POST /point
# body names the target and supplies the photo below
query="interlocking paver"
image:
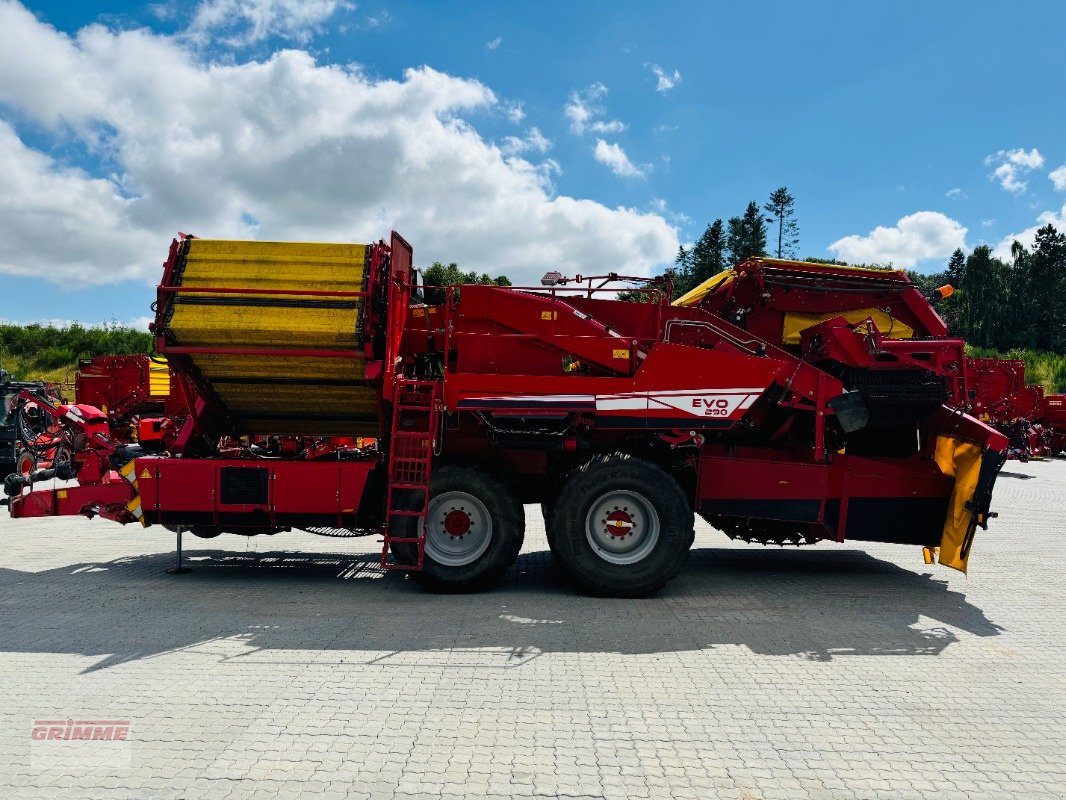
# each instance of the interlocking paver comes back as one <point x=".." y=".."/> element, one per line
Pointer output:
<point x="290" y="666"/>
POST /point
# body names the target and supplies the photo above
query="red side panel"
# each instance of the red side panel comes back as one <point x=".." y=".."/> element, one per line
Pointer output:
<point x="249" y="493"/>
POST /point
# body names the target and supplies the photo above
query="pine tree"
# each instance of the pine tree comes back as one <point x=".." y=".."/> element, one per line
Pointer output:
<point x="782" y="207"/>
<point x="956" y="268"/>
<point x="681" y="274"/>
<point x="746" y="236"/>
<point x="708" y="254"/>
<point x="1047" y="281"/>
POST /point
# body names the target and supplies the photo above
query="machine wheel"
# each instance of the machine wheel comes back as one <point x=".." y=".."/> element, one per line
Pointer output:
<point x="25" y="464"/>
<point x="475" y="530"/>
<point x="623" y="527"/>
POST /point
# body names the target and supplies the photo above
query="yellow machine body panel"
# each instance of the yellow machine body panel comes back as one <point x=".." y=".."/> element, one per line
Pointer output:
<point x="796" y="322"/>
<point x="278" y="393"/>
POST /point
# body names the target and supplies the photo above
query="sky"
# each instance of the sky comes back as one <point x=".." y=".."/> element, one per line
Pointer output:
<point x="513" y="138"/>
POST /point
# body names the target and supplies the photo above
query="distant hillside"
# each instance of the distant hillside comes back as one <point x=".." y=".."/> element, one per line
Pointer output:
<point x="45" y="352"/>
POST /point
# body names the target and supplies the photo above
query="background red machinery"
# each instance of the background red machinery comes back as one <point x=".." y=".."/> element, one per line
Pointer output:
<point x="778" y="300"/>
<point x="1000" y="396"/>
<point x="136" y="394"/>
<point x="622" y="419"/>
<point x="1053" y="418"/>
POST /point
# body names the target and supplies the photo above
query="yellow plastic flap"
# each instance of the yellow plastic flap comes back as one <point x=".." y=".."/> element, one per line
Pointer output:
<point x="962" y="461"/>
<point x="890" y="327"/>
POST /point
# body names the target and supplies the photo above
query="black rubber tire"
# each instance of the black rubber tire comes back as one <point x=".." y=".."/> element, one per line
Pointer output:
<point x="548" y="510"/>
<point x="580" y="561"/>
<point x="508" y="531"/>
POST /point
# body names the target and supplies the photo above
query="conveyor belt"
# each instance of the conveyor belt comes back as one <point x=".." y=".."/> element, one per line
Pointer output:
<point x="266" y="390"/>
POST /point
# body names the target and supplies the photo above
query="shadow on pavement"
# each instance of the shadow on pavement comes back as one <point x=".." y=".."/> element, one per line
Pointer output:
<point x="815" y="604"/>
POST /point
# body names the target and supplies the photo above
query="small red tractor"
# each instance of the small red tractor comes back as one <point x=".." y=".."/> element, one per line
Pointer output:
<point x="622" y="419"/>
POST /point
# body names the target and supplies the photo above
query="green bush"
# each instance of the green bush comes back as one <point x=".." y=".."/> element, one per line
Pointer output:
<point x="31" y="349"/>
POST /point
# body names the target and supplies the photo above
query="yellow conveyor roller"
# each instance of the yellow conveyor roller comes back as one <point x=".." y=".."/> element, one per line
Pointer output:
<point x="277" y="393"/>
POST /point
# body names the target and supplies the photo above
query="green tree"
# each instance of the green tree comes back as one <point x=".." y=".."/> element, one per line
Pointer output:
<point x="708" y="254"/>
<point x="444" y="275"/>
<point x="680" y="274"/>
<point x="956" y="268"/>
<point x="782" y="208"/>
<point x="746" y="236"/>
<point x="984" y="302"/>
<point x="1047" y="285"/>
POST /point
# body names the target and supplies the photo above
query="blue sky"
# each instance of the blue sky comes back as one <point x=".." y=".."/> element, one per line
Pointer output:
<point x="529" y="136"/>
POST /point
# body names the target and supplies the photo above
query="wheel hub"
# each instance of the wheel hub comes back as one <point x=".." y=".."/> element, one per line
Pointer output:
<point x="456" y="522"/>
<point x="618" y="523"/>
<point x="459" y="529"/>
<point x="622" y="527"/>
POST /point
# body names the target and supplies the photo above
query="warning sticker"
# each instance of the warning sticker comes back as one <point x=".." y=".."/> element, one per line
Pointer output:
<point x="145" y="473"/>
<point x="621" y="354"/>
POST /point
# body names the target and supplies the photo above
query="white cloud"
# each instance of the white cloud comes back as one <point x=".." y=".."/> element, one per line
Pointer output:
<point x="916" y="237"/>
<point x="514" y="111"/>
<point x="533" y="142"/>
<point x="283" y="148"/>
<point x="1058" y="178"/>
<point x="666" y="81"/>
<point x="1028" y="236"/>
<point x="615" y="157"/>
<point x="987" y="223"/>
<point x="661" y="207"/>
<point x="954" y="193"/>
<point x="494" y="43"/>
<point x="584" y="112"/>
<point x="1012" y="166"/>
<point x="243" y="22"/>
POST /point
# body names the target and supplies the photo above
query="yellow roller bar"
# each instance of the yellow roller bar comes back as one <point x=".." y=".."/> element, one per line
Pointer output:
<point x="158" y="377"/>
<point x="274" y="265"/>
<point x="693" y="296"/>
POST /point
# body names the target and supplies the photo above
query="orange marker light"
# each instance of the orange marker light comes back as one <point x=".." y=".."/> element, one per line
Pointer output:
<point x="945" y="291"/>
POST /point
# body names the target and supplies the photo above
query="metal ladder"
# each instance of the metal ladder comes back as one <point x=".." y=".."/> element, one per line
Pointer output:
<point x="410" y="456"/>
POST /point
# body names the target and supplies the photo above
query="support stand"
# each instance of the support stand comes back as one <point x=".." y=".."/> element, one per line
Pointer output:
<point x="179" y="569"/>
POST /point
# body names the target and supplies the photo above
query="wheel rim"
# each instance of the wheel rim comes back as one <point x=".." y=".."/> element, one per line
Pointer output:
<point x="622" y="527"/>
<point x="459" y="529"/>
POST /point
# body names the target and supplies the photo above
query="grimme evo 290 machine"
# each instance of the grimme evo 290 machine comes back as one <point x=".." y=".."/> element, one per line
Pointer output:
<point x="621" y="418"/>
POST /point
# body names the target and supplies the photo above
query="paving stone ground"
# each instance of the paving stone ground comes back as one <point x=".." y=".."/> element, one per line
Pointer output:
<point x="290" y="666"/>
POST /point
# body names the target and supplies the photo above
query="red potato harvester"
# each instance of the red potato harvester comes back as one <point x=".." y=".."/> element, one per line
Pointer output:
<point x="622" y="419"/>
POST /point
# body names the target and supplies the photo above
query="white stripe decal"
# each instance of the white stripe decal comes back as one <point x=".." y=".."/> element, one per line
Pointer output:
<point x="621" y="403"/>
